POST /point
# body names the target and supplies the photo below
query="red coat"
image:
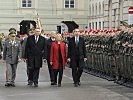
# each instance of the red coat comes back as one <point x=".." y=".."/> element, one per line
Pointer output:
<point x="54" y="55"/>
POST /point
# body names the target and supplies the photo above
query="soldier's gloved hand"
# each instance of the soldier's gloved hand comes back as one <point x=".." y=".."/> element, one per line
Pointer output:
<point x="45" y="60"/>
<point x="68" y="59"/>
<point x="19" y="60"/>
<point x="118" y="42"/>
<point x="85" y="59"/>
<point x="123" y="45"/>
<point x="129" y="45"/>
<point x="24" y="60"/>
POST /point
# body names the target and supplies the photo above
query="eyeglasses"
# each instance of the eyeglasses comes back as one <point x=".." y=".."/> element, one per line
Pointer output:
<point x="76" y="31"/>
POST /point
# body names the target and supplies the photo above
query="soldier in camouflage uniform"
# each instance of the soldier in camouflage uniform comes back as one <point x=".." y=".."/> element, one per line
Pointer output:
<point x="121" y="38"/>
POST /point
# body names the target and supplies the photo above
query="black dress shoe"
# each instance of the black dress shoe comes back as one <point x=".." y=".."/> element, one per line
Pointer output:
<point x="79" y="83"/>
<point x="75" y="85"/>
<point x="12" y="85"/>
<point x="35" y="85"/>
<point x="55" y="83"/>
<point x="30" y="83"/>
<point x="52" y="83"/>
<point x="59" y="85"/>
<point x="7" y="85"/>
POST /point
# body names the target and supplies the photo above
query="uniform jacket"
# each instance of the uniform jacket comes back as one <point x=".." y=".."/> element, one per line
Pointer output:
<point x="72" y="51"/>
<point x="35" y="52"/>
<point x="12" y="52"/>
<point x="54" y="55"/>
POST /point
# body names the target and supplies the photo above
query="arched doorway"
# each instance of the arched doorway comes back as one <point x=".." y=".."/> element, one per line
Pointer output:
<point x="71" y="25"/>
<point x="25" y="25"/>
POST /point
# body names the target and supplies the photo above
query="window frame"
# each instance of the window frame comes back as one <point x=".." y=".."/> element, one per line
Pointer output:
<point x="69" y="4"/>
<point x="26" y="4"/>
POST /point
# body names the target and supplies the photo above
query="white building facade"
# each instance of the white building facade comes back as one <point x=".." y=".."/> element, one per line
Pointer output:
<point x="96" y="14"/>
<point x="88" y="14"/>
<point x="51" y="13"/>
<point x="106" y="14"/>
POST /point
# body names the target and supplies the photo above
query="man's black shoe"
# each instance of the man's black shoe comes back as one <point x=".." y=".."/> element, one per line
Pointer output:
<point x="55" y="83"/>
<point x="59" y="85"/>
<point x="79" y="83"/>
<point x="13" y="85"/>
<point x="35" y="85"/>
<point x="30" y="83"/>
<point x="52" y="83"/>
<point x="7" y="85"/>
<point x="75" y="85"/>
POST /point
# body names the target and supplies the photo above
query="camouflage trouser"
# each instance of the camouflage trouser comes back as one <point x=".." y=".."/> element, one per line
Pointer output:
<point x="123" y="65"/>
<point x="111" y="65"/>
<point x="98" y="63"/>
<point x="131" y="66"/>
<point x="117" y="67"/>
<point x="102" y="62"/>
<point x="126" y="69"/>
<point x="89" y="60"/>
<point x="94" y="57"/>
<point x="105" y="62"/>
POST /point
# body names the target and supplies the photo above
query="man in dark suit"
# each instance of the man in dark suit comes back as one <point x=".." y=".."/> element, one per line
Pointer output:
<point x="49" y="43"/>
<point x="35" y="52"/>
<point x="31" y="32"/>
<point x="77" y="56"/>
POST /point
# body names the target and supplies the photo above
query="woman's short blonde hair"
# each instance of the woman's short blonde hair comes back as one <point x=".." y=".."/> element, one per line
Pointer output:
<point x="58" y="37"/>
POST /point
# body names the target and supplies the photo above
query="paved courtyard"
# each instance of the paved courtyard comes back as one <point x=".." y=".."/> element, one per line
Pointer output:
<point x="92" y="88"/>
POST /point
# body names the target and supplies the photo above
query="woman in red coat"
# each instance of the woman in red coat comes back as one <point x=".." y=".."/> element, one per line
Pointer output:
<point x="58" y="58"/>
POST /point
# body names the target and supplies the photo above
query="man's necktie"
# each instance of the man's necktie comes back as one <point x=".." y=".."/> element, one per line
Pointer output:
<point x="77" y="41"/>
<point x="36" y="39"/>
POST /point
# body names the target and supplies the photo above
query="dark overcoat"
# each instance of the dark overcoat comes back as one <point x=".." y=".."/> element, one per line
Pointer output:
<point x="72" y="52"/>
<point x="35" y="52"/>
<point x="49" y="43"/>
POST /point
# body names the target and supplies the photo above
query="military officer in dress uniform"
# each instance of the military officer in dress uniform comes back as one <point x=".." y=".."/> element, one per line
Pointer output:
<point x="11" y="55"/>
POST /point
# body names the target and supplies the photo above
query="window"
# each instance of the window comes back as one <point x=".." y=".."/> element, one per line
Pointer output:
<point x="69" y="4"/>
<point x="90" y="10"/>
<point x="96" y="10"/>
<point x="26" y="3"/>
<point x="99" y="25"/>
<point x="96" y="26"/>
<point x="100" y="11"/>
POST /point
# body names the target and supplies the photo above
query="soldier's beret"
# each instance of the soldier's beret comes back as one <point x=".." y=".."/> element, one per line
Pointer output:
<point x="130" y="25"/>
<point x="101" y="30"/>
<point x="12" y="30"/>
<point x="105" y="30"/>
<point x="124" y="23"/>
